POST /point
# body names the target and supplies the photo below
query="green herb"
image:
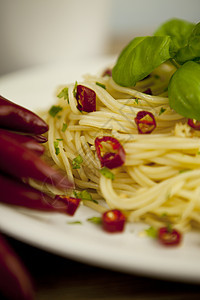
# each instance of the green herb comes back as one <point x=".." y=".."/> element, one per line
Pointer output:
<point x="56" y="146"/>
<point x="84" y="195"/>
<point x="136" y="100"/>
<point x="64" y="94"/>
<point x="151" y="232"/>
<point x="64" y="127"/>
<point x="101" y="85"/>
<point x="184" y="170"/>
<point x="77" y="161"/>
<point x="74" y="222"/>
<point x="59" y="139"/>
<point x="75" y="89"/>
<point x="162" y="110"/>
<point x="96" y="220"/>
<point x="54" y="110"/>
<point x="175" y="40"/>
<point x="107" y="173"/>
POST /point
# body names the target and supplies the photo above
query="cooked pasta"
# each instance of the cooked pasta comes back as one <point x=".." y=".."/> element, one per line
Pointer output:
<point x="159" y="181"/>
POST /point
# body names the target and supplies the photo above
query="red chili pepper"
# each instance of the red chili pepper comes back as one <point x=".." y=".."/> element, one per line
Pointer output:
<point x="86" y="99"/>
<point x="16" y="282"/>
<point x="113" y="221"/>
<point x="107" y="72"/>
<point x="39" y="138"/>
<point x="169" y="237"/>
<point x="27" y="141"/>
<point x="145" y="122"/>
<point x="18" y="118"/>
<point x="110" y="152"/>
<point x="17" y="193"/>
<point x="71" y="203"/>
<point x="148" y="91"/>
<point x="20" y="162"/>
<point x="194" y="124"/>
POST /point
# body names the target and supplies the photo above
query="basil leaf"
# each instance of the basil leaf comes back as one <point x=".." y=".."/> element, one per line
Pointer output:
<point x="179" y="31"/>
<point x="140" y="58"/>
<point x="192" y="50"/>
<point x="184" y="90"/>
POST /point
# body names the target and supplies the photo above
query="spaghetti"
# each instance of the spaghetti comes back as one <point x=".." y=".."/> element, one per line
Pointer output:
<point x="159" y="181"/>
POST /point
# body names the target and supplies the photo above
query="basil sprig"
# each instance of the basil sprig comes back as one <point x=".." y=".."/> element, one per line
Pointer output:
<point x="175" y="40"/>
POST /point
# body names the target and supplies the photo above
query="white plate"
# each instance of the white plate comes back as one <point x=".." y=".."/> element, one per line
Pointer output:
<point x="127" y="252"/>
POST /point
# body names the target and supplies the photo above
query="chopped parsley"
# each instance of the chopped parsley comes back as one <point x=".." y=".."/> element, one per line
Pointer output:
<point x="95" y="220"/>
<point x="75" y="222"/>
<point x="136" y="100"/>
<point x="77" y="161"/>
<point x="64" y="94"/>
<point x="151" y="232"/>
<point x="54" y="110"/>
<point x="64" y="127"/>
<point x="162" y="110"/>
<point x="101" y="85"/>
<point x="107" y="173"/>
<point x="75" y="89"/>
<point x="56" y="147"/>
<point x="84" y="195"/>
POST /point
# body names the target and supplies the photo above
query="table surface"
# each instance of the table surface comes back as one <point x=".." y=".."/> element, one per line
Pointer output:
<point x="58" y="278"/>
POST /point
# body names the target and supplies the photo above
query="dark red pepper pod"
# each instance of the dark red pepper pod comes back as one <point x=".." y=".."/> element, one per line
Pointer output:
<point x="20" y="162"/>
<point x="145" y="122"/>
<point x="113" y="221"/>
<point x="194" y="124"/>
<point x="169" y="237"/>
<point x="86" y="99"/>
<point x="16" y="282"/>
<point x="17" y="118"/>
<point x="110" y="152"/>
<point x="70" y="202"/>
<point x="17" y="193"/>
<point x="39" y="138"/>
<point x="28" y="141"/>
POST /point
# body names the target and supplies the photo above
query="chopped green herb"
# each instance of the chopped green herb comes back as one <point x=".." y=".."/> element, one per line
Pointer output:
<point x="136" y="100"/>
<point x="77" y="161"/>
<point x="101" y="85"/>
<point x="169" y="227"/>
<point x="162" y="110"/>
<point x="184" y="170"/>
<point x="75" y="89"/>
<point x="95" y="220"/>
<point x="151" y="232"/>
<point x="64" y="127"/>
<point x="107" y="173"/>
<point x="64" y="94"/>
<point x="84" y="195"/>
<point x="59" y="139"/>
<point x="75" y="222"/>
<point x="54" y="110"/>
<point x="57" y="150"/>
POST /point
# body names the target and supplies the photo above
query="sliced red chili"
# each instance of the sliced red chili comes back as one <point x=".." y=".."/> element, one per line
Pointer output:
<point x="194" y="124"/>
<point x="148" y="91"/>
<point x="110" y="152"/>
<point x="86" y="99"/>
<point x="145" y="122"/>
<point x="113" y="221"/>
<point x="72" y="203"/>
<point x="107" y="72"/>
<point x="169" y="237"/>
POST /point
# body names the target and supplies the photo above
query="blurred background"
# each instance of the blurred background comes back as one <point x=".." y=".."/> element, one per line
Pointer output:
<point x="34" y="32"/>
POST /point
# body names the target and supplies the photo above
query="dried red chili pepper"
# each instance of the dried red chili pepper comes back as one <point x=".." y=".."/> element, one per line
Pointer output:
<point x="145" y="122"/>
<point x="18" y="118"/>
<point x="110" y="152"/>
<point x="169" y="237"/>
<point x="16" y="282"/>
<point x="194" y="124"/>
<point x="113" y="221"/>
<point x="86" y="99"/>
<point x="71" y="203"/>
